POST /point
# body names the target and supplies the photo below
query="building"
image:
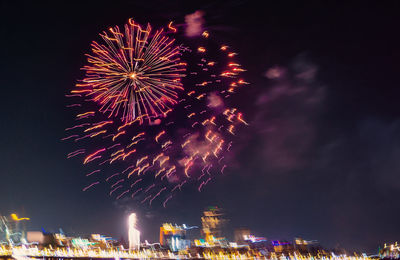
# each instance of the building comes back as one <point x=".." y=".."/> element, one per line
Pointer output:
<point x="12" y="229"/>
<point x="282" y="247"/>
<point x="306" y="246"/>
<point x="174" y="236"/>
<point x="133" y="233"/>
<point x="391" y="251"/>
<point x="240" y="234"/>
<point x="212" y="222"/>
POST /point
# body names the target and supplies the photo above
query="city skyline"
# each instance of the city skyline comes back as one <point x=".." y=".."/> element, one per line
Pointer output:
<point x="212" y="232"/>
<point x="174" y="243"/>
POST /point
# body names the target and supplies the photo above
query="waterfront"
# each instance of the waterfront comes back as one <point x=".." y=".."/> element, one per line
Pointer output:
<point x="174" y="243"/>
<point x="23" y="252"/>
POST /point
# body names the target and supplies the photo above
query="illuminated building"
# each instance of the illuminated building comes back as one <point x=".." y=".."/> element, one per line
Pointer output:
<point x="133" y="233"/>
<point x="212" y="223"/>
<point x="282" y="246"/>
<point x="47" y="239"/>
<point x="306" y="246"/>
<point x="390" y="251"/>
<point x="83" y="243"/>
<point x="254" y="239"/>
<point x="103" y="241"/>
<point x="174" y="244"/>
<point x="174" y="236"/>
<point x="11" y="231"/>
<point x="240" y="234"/>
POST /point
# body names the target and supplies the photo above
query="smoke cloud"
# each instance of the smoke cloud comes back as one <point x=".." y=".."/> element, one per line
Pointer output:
<point x="288" y="113"/>
<point x="194" y="24"/>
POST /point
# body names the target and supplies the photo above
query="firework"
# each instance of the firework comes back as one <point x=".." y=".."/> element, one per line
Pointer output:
<point x="158" y="115"/>
<point x="135" y="74"/>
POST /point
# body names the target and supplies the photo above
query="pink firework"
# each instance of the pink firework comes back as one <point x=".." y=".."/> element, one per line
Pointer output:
<point x="157" y="117"/>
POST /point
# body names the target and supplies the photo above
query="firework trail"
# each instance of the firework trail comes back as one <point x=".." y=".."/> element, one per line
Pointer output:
<point x="155" y="111"/>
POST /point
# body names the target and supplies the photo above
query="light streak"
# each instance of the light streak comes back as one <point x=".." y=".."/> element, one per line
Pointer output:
<point x="122" y="194"/>
<point x="69" y="137"/>
<point x="93" y="172"/>
<point x="115" y="174"/>
<point x="158" y="194"/>
<point x="91" y="185"/>
<point x="166" y="200"/>
<point x="112" y="191"/>
<point x="159" y="135"/>
<point x="223" y="168"/>
<point x="118" y="134"/>
<point x="173" y="29"/>
<point x="136" y="192"/>
<point x="92" y="156"/>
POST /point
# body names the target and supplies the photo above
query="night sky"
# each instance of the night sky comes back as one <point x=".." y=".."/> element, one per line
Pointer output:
<point x="320" y="160"/>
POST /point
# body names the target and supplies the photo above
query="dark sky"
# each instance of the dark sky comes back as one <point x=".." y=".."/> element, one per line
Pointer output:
<point x="320" y="160"/>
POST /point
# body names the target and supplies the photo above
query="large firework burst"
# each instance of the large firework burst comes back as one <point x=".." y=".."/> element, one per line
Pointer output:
<point x="135" y="76"/>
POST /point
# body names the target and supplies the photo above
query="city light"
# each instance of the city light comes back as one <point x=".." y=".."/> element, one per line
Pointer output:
<point x="16" y="218"/>
<point x="35" y="252"/>
<point x="174" y="243"/>
<point x="134" y="234"/>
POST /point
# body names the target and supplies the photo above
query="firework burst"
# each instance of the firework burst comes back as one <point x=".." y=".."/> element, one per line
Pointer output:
<point x="135" y="74"/>
<point x="159" y="115"/>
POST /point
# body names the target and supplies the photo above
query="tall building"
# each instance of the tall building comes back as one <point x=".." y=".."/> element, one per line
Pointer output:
<point x="212" y="222"/>
<point x="174" y="236"/>
<point x="133" y="233"/>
